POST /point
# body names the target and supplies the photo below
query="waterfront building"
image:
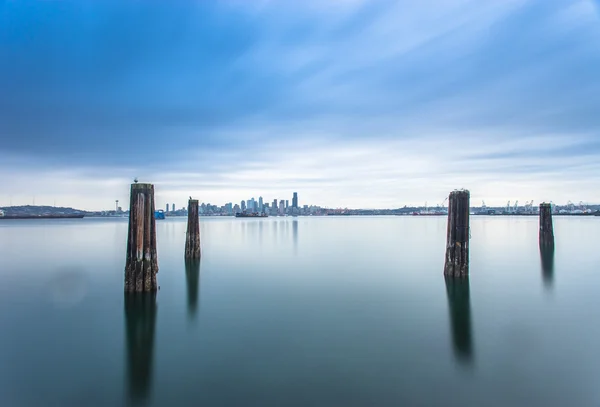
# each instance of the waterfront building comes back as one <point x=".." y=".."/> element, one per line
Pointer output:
<point x="295" y="200"/>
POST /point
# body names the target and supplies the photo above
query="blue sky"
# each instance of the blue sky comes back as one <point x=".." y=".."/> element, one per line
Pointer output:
<point x="351" y="103"/>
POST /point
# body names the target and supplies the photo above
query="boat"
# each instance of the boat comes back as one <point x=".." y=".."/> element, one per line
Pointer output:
<point x="60" y="216"/>
<point x="251" y="215"/>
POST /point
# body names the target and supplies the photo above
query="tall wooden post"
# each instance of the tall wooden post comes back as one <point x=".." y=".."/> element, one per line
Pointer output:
<point x="192" y="237"/>
<point x="457" y="243"/>
<point x="546" y="229"/>
<point x="142" y="263"/>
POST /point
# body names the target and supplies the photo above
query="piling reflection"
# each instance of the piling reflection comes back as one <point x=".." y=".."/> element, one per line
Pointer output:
<point x="140" y="320"/>
<point x="547" y="260"/>
<point x="459" y="302"/>
<point x="295" y="236"/>
<point x="192" y="277"/>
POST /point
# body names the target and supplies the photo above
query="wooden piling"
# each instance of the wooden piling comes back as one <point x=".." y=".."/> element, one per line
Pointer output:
<point x="546" y="230"/>
<point x="192" y="236"/>
<point x="142" y="262"/>
<point x="457" y="243"/>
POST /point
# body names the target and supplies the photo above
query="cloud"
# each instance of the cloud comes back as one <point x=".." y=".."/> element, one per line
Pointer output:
<point x="351" y="103"/>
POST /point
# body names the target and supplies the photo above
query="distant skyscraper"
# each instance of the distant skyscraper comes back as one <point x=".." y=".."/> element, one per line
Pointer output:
<point x="173" y="206"/>
<point x="274" y="203"/>
<point x="295" y="200"/>
<point x="281" y="207"/>
<point x="167" y="208"/>
<point x="260" y="204"/>
<point x="287" y="204"/>
<point x="243" y="205"/>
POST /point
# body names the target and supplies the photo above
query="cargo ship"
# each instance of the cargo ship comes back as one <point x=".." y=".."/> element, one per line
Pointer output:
<point x="251" y="215"/>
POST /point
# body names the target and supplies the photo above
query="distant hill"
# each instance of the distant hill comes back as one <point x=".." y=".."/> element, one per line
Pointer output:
<point x="40" y="210"/>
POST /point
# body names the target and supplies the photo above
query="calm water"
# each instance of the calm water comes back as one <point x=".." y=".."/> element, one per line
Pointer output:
<point x="333" y="311"/>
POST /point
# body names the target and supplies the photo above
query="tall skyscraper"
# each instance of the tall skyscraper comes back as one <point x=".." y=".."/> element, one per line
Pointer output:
<point x="274" y="203"/>
<point x="260" y="204"/>
<point x="173" y="206"/>
<point x="295" y="200"/>
<point x="243" y="206"/>
<point x="281" y="207"/>
<point x="287" y="204"/>
<point x="167" y="208"/>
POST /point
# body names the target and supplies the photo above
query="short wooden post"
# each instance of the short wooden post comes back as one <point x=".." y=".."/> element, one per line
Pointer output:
<point x="142" y="263"/>
<point x="457" y="243"/>
<point x="546" y="229"/>
<point x="140" y="320"/>
<point x="192" y="236"/>
<point x="459" y="302"/>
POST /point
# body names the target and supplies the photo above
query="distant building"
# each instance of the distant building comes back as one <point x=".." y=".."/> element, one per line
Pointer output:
<point x="295" y="200"/>
<point x="287" y="204"/>
<point x="243" y="205"/>
<point x="167" y="208"/>
<point x="281" y="207"/>
<point x="260" y="204"/>
<point x="236" y="209"/>
<point x="275" y="204"/>
<point x="173" y="206"/>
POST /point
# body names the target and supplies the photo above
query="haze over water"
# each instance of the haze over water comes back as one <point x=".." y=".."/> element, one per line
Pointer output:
<point x="329" y="311"/>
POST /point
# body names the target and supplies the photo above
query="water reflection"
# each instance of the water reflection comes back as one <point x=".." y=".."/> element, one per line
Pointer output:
<point x="547" y="258"/>
<point x="295" y="236"/>
<point x="459" y="301"/>
<point x="140" y="320"/>
<point x="192" y="277"/>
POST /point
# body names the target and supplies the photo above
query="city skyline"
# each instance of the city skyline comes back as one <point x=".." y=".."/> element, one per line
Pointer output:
<point x="360" y="104"/>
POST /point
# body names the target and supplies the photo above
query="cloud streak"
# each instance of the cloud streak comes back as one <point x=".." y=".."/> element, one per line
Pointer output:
<point x="357" y="104"/>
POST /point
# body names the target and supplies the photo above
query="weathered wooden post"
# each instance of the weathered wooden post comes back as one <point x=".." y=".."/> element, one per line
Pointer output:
<point x="457" y="242"/>
<point x="142" y="263"/>
<point x="192" y="236"/>
<point x="140" y="319"/>
<point x="546" y="229"/>
<point x="459" y="302"/>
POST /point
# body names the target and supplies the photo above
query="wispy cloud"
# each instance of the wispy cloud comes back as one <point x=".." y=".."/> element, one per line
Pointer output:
<point x="351" y="103"/>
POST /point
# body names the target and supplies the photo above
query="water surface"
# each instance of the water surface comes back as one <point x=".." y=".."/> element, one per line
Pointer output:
<point x="328" y="311"/>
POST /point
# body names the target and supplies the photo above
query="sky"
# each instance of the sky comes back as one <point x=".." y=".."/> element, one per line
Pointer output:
<point x="350" y="103"/>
